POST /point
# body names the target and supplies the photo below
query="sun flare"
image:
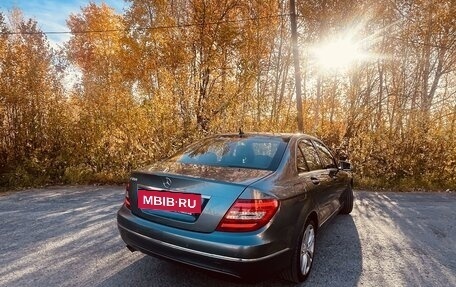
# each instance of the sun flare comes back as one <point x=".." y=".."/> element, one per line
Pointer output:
<point x="337" y="55"/>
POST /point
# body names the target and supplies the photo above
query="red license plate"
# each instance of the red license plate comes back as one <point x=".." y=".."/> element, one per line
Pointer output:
<point x="169" y="201"/>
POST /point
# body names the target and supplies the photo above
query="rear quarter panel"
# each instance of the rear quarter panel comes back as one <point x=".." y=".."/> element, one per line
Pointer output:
<point x="296" y="202"/>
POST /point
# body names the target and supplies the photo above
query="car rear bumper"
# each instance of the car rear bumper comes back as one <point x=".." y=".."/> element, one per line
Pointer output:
<point x="236" y="254"/>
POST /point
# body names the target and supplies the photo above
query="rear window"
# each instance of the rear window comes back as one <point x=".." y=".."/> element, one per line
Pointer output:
<point x="233" y="151"/>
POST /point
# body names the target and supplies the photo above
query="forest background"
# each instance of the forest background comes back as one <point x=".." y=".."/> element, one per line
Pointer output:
<point x="163" y="74"/>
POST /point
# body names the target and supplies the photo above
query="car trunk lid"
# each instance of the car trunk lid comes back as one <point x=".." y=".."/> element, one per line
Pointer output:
<point x="218" y="187"/>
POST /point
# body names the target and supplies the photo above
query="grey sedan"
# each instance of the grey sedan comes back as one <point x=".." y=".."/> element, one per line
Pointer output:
<point x="239" y="204"/>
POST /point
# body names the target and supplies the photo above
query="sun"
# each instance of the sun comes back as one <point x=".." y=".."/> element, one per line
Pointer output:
<point x="337" y="55"/>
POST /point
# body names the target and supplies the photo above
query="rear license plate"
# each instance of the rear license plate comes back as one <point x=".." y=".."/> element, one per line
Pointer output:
<point x="169" y="201"/>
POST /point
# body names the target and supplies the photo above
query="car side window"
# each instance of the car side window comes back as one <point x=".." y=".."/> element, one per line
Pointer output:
<point x="326" y="157"/>
<point x="301" y="161"/>
<point x="310" y="155"/>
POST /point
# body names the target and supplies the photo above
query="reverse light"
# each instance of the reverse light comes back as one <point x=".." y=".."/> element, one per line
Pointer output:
<point x="127" y="196"/>
<point x="248" y="215"/>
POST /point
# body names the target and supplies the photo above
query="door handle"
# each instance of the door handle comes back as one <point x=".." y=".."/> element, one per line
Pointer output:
<point x="334" y="174"/>
<point x="314" y="180"/>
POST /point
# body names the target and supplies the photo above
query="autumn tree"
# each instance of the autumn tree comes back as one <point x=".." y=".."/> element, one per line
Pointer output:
<point x="31" y="104"/>
<point x="201" y="58"/>
<point x="107" y="127"/>
<point x="166" y="73"/>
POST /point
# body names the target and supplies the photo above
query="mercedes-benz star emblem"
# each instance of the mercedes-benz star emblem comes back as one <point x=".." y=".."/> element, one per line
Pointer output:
<point x="167" y="182"/>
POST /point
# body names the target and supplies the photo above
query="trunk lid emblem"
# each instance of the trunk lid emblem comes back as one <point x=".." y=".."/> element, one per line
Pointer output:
<point x="167" y="182"/>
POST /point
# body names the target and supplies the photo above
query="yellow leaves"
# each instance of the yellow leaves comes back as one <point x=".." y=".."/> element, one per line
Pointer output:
<point x="97" y="33"/>
<point x="168" y="72"/>
<point x="32" y="114"/>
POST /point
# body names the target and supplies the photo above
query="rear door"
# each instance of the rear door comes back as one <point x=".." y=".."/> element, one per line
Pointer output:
<point x="336" y="180"/>
<point x="316" y="178"/>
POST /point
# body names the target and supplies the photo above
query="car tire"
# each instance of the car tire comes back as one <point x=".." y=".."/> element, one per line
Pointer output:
<point x="303" y="254"/>
<point x="348" y="200"/>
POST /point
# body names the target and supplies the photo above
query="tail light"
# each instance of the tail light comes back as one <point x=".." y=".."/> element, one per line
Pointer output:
<point x="248" y="215"/>
<point x="127" y="196"/>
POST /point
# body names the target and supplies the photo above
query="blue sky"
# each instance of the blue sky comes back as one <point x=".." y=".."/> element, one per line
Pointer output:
<point x="51" y="15"/>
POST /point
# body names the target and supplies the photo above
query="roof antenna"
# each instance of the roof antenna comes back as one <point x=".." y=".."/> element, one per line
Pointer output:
<point x="241" y="132"/>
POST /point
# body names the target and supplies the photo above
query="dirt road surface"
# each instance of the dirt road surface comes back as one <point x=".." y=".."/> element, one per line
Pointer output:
<point x="67" y="236"/>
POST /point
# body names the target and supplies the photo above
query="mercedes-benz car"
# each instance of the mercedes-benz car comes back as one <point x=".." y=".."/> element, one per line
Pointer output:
<point x="242" y="204"/>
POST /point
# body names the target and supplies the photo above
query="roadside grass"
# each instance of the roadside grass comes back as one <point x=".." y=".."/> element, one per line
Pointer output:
<point x="20" y="179"/>
<point x="404" y="184"/>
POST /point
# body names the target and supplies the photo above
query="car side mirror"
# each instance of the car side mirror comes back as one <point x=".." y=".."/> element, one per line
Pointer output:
<point x="344" y="165"/>
<point x="343" y="157"/>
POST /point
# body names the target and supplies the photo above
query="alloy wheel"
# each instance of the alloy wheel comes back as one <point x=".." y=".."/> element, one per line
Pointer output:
<point x="307" y="249"/>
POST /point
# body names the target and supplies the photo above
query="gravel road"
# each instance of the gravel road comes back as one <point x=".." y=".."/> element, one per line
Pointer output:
<point x="67" y="236"/>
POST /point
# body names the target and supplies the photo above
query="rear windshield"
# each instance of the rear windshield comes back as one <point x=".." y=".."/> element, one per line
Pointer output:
<point x="230" y="151"/>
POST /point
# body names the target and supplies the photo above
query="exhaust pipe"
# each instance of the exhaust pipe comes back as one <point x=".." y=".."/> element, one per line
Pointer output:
<point x="131" y="248"/>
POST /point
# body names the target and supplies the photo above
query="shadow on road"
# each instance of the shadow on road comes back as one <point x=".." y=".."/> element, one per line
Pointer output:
<point x="417" y="228"/>
<point x="58" y="236"/>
